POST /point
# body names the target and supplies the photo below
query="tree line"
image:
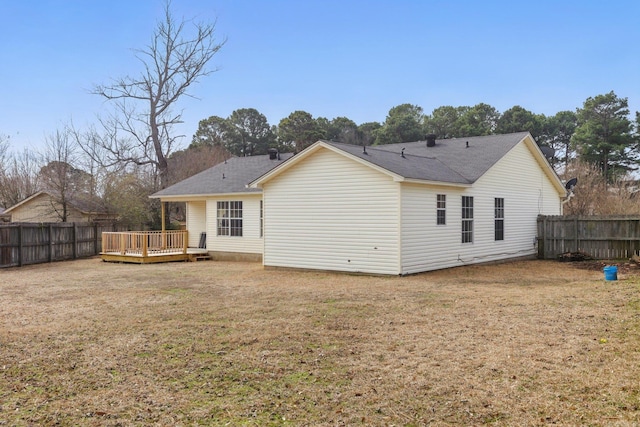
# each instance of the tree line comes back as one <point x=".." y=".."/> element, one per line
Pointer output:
<point x="132" y="150"/>
<point x="601" y="131"/>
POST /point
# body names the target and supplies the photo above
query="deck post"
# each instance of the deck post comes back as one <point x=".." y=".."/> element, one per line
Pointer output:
<point x="164" y="229"/>
<point x="145" y="245"/>
<point x="162" y="214"/>
<point x="185" y="241"/>
<point x="123" y="243"/>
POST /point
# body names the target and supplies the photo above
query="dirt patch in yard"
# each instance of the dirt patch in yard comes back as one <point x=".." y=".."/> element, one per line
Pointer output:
<point x="215" y="343"/>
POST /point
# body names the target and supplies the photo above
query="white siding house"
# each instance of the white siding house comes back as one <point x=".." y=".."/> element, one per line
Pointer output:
<point x="375" y="210"/>
<point x="393" y="209"/>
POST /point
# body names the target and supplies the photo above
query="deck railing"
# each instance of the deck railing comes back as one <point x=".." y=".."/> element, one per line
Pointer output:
<point x="145" y="243"/>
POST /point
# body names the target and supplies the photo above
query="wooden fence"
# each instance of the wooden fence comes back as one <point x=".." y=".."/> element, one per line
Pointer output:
<point x="27" y="243"/>
<point x="601" y="237"/>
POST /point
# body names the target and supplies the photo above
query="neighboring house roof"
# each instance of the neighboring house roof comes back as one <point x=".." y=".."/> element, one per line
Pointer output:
<point x="457" y="161"/>
<point x="231" y="176"/>
<point x="84" y="203"/>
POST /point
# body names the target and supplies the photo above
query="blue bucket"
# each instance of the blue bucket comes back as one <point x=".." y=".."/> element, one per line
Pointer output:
<point x="611" y="272"/>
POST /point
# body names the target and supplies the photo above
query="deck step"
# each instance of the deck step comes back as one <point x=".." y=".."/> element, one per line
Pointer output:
<point x="202" y="257"/>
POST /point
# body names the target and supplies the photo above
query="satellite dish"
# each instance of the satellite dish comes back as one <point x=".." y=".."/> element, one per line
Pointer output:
<point x="570" y="185"/>
<point x="548" y="152"/>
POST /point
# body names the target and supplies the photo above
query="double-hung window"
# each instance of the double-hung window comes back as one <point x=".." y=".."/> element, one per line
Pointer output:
<point x="230" y="219"/>
<point x="441" y="209"/>
<point x="499" y="218"/>
<point x="467" y="219"/>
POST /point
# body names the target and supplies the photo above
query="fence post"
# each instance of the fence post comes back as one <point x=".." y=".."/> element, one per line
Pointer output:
<point x="50" y="242"/>
<point x="20" y="245"/>
<point x="95" y="238"/>
<point x="576" y="229"/>
<point x="75" y="241"/>
<point x="540" y="236"/>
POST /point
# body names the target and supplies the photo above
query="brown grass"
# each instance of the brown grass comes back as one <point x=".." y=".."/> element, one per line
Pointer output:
<point x="210" y="343"/>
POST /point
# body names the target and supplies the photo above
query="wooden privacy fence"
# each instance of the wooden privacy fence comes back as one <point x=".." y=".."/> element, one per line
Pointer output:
<point x="27" y="243"/>
<point x="601" y="237"/>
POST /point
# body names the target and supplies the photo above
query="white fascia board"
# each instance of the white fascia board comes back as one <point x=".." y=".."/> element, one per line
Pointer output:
<point x="544" y="164"/>
<point x="436" y="183"/>
<point x="202" y="197"/>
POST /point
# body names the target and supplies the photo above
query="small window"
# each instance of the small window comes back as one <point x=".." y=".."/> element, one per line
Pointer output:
<point x="499" y="218"/>
<point x="441" y="209"/>
<point x="229" y="219"/>
<point x="467" y="219"/>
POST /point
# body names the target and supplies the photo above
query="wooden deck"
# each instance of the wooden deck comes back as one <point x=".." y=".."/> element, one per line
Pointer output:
<point x="146" y="247"/>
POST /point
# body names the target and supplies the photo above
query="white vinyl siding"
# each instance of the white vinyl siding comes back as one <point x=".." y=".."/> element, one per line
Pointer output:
<point x="250" y="241"/>
<point x="196" y="222"/>
<point x="330" y="212"/>
<point x="517" y="178"/>
<point x="425" y="244"/>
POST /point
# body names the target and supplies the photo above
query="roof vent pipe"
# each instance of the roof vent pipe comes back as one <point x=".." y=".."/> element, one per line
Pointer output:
<point x="431" y="140"/>
<point x="273" y="154"/>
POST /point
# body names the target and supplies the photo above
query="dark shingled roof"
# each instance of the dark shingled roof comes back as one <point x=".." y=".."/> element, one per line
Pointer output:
<point x="227" y="177"/>
<point x="410" y="166"/>
<point x="450" y="160"/>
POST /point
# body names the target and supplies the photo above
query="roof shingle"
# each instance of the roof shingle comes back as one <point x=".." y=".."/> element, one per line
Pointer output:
<point x="450" y="160"/>
<point x="454" y="161"/>
<point x="227" y="177"/>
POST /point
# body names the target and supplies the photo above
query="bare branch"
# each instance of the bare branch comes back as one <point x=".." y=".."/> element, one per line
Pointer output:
<point x="141" y="126"/>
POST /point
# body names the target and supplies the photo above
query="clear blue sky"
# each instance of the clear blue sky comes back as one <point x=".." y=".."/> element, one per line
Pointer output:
<point x="352" y="58"/>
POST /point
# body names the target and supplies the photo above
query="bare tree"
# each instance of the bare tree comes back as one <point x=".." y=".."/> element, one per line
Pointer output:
<point x="127" y="194"/>
<point x="188" y="162"/>
<point x="4" y="148"/>
<point x="18" y="176"/>
<point x="140" y="128"/>
<point x="595" y="196"/>
<point x="59" y="177"/>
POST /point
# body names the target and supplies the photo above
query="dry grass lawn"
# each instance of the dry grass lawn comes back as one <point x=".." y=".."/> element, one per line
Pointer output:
<point x="527" y="343"/>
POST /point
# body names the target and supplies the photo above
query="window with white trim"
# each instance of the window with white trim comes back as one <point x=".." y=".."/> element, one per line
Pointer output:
<point x="499" y="218"/>
<point x="467" y="219"/>
<point x="230" y="218"/>
<point x="441" y="209"/>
